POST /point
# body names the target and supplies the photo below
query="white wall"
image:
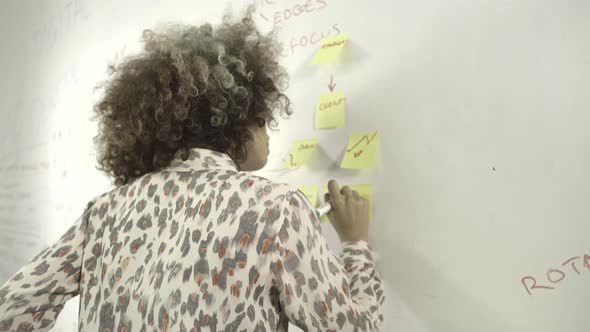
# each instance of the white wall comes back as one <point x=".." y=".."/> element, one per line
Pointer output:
<point x="482" y="107"/>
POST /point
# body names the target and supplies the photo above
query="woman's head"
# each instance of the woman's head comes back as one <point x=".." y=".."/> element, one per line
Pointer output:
<point x="192" y="87"/>
<point x="256" y="148"/>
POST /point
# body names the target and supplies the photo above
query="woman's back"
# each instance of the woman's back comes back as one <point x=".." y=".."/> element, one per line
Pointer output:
<point x="187" y="246"/>
<point x="198" y="244"/>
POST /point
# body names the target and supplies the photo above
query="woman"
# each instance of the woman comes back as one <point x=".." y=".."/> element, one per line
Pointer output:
<point x="188" y="239"/>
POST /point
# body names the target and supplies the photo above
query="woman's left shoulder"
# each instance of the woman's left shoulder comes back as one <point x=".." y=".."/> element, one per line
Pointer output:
<point x="268" y="187"/>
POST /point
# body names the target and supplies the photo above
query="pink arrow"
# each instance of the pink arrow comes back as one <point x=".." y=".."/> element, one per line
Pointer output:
<point x="331" y="85"/>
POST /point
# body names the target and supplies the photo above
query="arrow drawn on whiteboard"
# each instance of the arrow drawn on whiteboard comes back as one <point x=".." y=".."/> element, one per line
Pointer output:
<point x="331" y="86"/>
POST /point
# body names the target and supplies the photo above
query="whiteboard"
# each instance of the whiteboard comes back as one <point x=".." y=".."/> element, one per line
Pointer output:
<point x="481" y="189"/>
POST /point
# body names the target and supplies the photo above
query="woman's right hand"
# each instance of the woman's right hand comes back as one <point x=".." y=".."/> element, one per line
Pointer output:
<point x="349" y="214"/>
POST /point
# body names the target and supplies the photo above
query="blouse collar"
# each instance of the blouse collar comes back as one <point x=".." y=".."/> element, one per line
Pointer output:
<point x="202" y="159"/>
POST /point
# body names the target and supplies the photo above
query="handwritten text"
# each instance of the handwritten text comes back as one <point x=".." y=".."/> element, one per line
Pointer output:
<point x="556" y="275"/>
<point x="299" y="9"/>
<point x="331" y="104"/>
<point x="312" y="38"/>
<point x="306" y="146"/>
<point x="334" y="44"/>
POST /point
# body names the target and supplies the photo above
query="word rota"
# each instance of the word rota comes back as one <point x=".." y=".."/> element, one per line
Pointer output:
<point x="554" y="275"/>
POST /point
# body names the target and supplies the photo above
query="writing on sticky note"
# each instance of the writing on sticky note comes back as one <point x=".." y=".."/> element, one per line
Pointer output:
<point x="330" y="49"/>
<point x="330" y="110"/>
<point x="364" y="190"/>
<point x="361" y="151"/>
<point x="301" y="152"/>
<point x="311" y="192"/>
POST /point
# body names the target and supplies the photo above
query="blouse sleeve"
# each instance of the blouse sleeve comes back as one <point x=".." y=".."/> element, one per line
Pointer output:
<point x="32" y="298"/>
<point x="318" y="290"/>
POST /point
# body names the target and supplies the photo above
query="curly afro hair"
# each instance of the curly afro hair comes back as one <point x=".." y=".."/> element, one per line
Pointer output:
<point x="191" y="86"/>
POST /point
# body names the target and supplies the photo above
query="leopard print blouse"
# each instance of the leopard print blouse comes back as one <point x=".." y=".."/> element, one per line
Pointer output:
<point x="198" y="246"/>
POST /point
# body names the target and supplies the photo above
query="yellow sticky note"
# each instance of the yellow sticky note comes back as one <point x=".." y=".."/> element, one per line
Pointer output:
<point x="330" y="49"/>
<point x="330" y="110"/>
<point x="364" y="190"/>
<point x="361" y="151"/>
<point x="300" y="153"/>
<point x="311" y="192"/>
